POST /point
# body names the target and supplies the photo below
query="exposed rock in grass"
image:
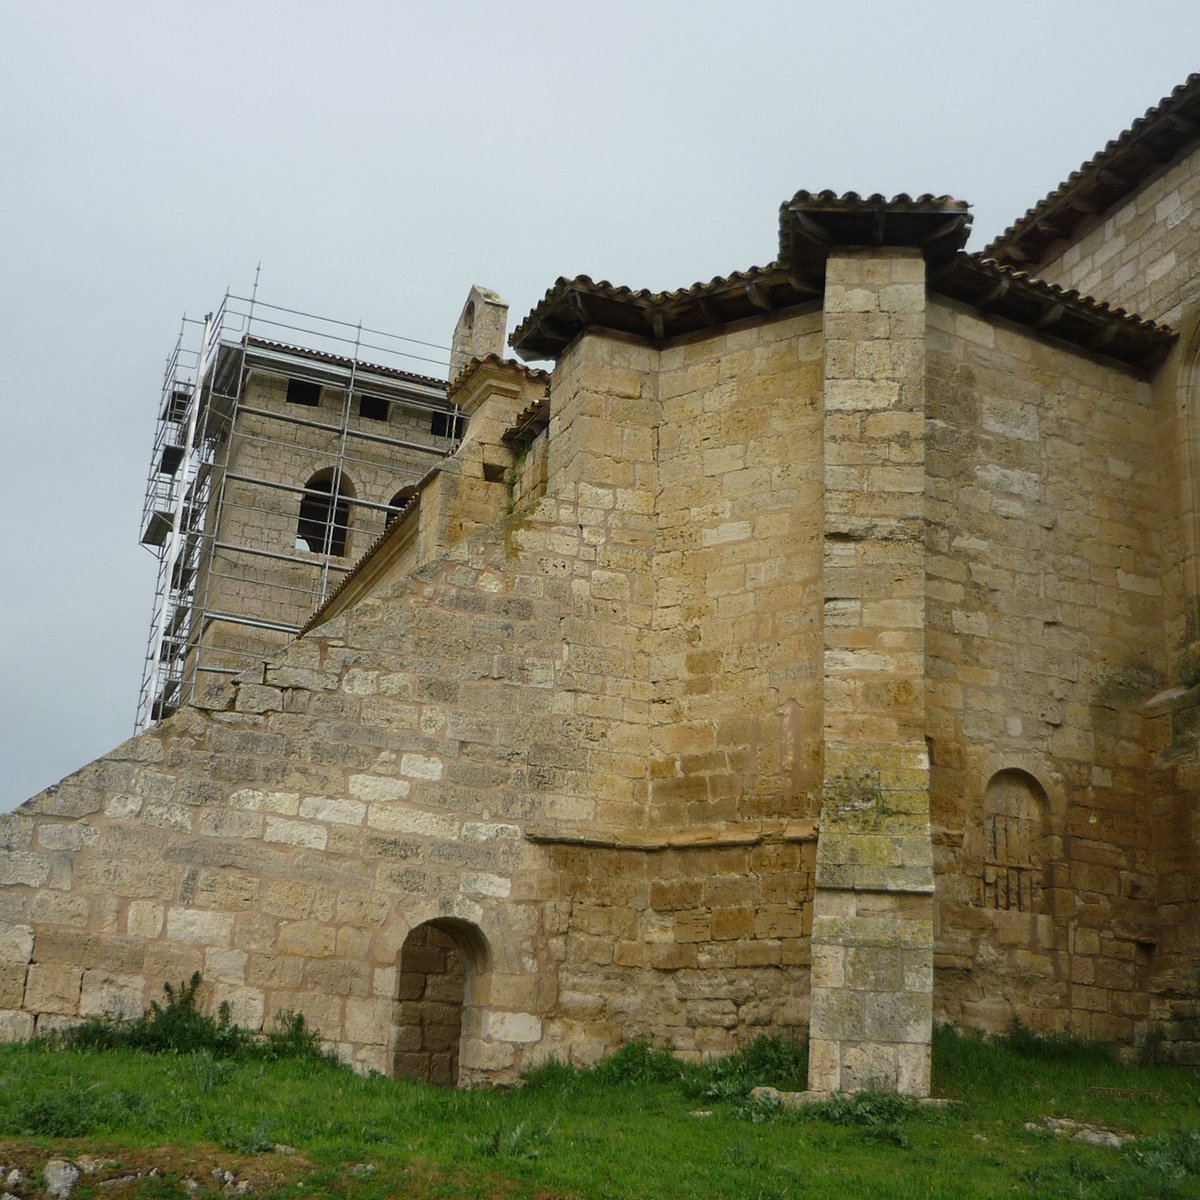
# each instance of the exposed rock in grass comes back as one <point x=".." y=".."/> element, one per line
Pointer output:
<point x="1094" y="1135"/>
<point x="61" y="1177"/>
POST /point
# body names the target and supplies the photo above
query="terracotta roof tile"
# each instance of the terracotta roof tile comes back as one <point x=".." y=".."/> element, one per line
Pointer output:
<point x="1057" y="312"/>
<point x="532" y="373"/>
<point x="1063" y="216"/>
<point x="342" y="361"/>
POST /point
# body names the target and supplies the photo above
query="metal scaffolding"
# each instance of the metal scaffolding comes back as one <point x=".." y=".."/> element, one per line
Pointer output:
<point x="205" y="513"/>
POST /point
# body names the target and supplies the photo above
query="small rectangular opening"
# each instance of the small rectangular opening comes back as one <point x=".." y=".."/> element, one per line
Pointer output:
<point x="300" y="391"/>
<point x="493" y="472"/>
<point x="172" y="456"/>
<point x="374" y="408"/>
<point x="445" y="424"/>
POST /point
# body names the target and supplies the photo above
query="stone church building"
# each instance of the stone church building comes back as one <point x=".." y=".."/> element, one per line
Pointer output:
<point x="810" y="651"/>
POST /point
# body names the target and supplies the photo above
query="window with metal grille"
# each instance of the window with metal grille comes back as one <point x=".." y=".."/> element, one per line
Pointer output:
<point x="1014" y="811"/>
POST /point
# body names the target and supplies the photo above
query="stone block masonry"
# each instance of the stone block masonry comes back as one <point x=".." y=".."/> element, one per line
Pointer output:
<point x="808" y="672"/>
<point x="872" y="937"/>
<point x="287" y="834"/>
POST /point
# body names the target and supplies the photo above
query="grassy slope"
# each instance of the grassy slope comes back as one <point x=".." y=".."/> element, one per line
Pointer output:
<point x="614" y="1133"/>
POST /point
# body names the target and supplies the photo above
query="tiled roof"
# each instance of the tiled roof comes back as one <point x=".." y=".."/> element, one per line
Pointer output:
<point x="572" y="305"/>
<point x="1057" y="312"/>
<point x="811" y="222"/>
<point x="341" y="361"/>
<point x="494" y="360"/>
<point x="1103" y="181"/>
<point x="530" y="422"/>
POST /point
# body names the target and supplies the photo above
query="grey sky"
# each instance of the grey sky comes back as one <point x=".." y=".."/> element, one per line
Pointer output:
<point x="379" y="158"/>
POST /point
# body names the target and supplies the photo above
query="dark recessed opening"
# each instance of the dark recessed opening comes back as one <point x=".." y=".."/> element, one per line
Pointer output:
<point x="445" y="424"/>
<point x="430" y="1008"/>
<point x="374" y="408"/>
<point x="494" y="473"/>
<point x="172" y="456"/>
<point x="398" y="502"/>
<point x="324" y="518"/>
<point x="300" y="391"/>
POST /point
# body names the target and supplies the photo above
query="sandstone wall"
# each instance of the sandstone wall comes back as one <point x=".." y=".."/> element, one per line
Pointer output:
<point x="737" y="564"/>
<point x="286" y="834"/>
<point x="1044" y="638"/>
<point x="1145" y="255"/>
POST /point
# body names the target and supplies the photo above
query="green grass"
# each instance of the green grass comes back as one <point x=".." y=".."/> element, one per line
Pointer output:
<point x="625" y="1129"/>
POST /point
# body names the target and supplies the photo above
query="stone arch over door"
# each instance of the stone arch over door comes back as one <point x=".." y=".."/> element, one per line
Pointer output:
<point x="438" y="962"/>
<point x="1012" y="841"/>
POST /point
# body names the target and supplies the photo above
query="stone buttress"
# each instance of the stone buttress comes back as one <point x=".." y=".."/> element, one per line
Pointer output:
<point x="872" y="938"/>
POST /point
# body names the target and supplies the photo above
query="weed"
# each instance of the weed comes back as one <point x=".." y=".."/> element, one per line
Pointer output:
<point x="744" y="1156"/>
<point x="71" y="1112"/>
<point x="1089" y="1172"/>
<point x="180" y="1027"/>
<point x="864" y="1108"/>
<point x="873" y="1116"/>
<point x="520" y="1141"/>
<point x="638" y="1062"/>
<point x="203" y="1071"/>
<point x="1175" y="1155"/>
<point x="554" y="1076"/>
<point x="887" y="1134"/>
<point x="626" y="1129"/>
<point x="291" y="1038"/>
<point x="232" y="1135"/>
<point x="766" y="1062"/>
<point x="1052" y="1047"/>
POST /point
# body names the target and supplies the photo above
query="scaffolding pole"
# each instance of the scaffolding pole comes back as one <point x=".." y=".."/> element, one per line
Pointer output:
<point x="203" y="533"/>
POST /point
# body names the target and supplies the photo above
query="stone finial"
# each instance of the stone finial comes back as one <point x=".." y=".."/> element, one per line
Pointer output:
<point x="480" y="330"/>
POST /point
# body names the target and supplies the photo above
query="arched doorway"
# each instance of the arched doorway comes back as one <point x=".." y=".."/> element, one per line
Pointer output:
<point x="436" y="964"/>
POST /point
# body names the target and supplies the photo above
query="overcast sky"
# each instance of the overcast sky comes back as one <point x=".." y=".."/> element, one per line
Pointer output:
<point x="378" y="158"/>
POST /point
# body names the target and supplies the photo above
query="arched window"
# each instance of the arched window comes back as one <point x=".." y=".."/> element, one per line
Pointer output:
<point x="324" y="515"/>
<point x="398" y="501"/>
<point x="1014" y="815"/>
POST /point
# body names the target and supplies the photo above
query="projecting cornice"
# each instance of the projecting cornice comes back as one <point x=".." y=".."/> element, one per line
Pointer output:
<point x="573" y="305"/>
<point x="1051" y="310"/>
<point x="811" y="225"/>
